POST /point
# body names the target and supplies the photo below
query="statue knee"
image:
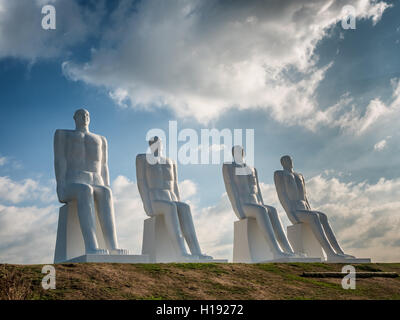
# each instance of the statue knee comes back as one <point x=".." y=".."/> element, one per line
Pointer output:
<point x="310" y="217"/>
<point x="322" y="216"/>
<point x="85" y="191"/>
<point x="272" y="211"/>
<point x="106" y="192"/>
<point x="261" y="212"/>
<point x="183" y="207"/>
<point x="170" y="209"/>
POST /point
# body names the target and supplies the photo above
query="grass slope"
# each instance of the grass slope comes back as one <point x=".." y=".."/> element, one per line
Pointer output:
<point x="194" y="281"/>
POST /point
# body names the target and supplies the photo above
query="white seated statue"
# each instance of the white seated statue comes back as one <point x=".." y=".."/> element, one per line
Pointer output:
<point x="259" y="235"/>
<point x="311" y="229"/>
<point x="158" y="187"/>
<point x="80" y="160"/>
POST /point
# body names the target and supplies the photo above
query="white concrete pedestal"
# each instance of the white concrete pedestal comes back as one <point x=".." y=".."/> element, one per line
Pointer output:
<point x="250" y="246"/>
<point x="158" y="245"/>
<point x="303" y="241"/>
<point x="70" y="246"/>
<point x="110" y="258"/>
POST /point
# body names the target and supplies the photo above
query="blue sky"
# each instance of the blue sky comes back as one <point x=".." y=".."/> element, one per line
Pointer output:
<point x="327" y="96"/>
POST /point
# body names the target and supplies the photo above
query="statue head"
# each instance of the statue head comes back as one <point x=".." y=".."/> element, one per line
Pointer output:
<point x="82" y="119"/>
<point x="287" y="163"/>
<point x="155" y="144"/>
<point x="238" y="154"/>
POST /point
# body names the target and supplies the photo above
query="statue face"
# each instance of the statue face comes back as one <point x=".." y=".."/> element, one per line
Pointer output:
<point x="156" y="146"/>
<point x="238" y="154"/>
<point x="287" y="162"/>
<point x="82" y="118"/>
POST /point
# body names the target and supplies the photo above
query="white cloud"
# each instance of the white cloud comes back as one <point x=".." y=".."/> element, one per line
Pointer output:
<point x="28" y="234"/>
<point x="365" y="216"/>
<point x="350" y="119"/>
<point x="187" y="189"/>
<point x="22" y="36"/>
<point x="380" y="145"/>
<point x="28" y="189"/>
<point x="3" y="161"/>
<point x="200" y="58"/>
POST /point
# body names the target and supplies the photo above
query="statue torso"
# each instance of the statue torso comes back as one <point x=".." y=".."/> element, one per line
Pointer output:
<point x="83" y="153"/>
<point x="295" y="189"/>
<point x="160" y="179"/>
<point x="246" y="186"/>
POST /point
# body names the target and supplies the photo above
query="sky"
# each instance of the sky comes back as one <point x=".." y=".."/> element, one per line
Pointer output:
<point x="327" y="96"/>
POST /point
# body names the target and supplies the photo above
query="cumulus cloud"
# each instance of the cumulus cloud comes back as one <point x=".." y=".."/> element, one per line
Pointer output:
<point x="365" y="216"/>
<point x="380" y="145"/>
<point x="350" y="119"/>
<point x="200" y="58"/>
<point x="28" y="189"/>
<point x="27" y="234"/>
<point x="22" y="35"/>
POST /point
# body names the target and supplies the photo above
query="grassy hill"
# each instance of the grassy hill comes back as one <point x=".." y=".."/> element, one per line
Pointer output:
<point x="194" y="281"/>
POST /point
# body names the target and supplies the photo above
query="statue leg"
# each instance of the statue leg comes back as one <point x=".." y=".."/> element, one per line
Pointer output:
<point x="312" y="219"/>
<point x="263" y="221"/>
<point x="187" y="226"/>
<point x="105" y="211"/>
<point x="329" y="232"/>
<point x="169" y="211"/>
<point x="278" y="229"/>
<point x="83" y="194"/>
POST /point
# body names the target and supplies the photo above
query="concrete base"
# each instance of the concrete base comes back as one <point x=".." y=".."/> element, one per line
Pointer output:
<point x="349" y="260"/>
<point x="158" y="245"/>
<point x="250" y="246"/>
<point x="70" y="243"/>
<point x="70" y="246"/>
<point x="110" y="258"/>
<point x="303" y="241"/>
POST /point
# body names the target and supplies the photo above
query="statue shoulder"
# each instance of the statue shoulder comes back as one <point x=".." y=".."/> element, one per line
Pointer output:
<point x="227" y="165"/>
<point x="62" y="132"/>
<point x="226" y="168"/>
<point x="140" y="157"/>
<point x="279" y="173"/>
<point x="299" y="175"/>
<point x="98" y="136"/>
<point x="170" y="161"/>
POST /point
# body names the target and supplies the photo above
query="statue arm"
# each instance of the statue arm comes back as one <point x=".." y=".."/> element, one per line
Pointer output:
<point x="176" y="187"/>
<point x="104" y="163"/>
<point x="60" y="163"/>
<point x="305" y="192"/>
<point x="280" y="190"/>
<point x="232" y="192"/>
<point x="142" y="184"/>
<point x="260" y="198"/>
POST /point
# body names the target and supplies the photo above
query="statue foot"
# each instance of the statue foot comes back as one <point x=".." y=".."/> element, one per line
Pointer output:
<point x="120" y="251"/>
<point x="97" y="251"/>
